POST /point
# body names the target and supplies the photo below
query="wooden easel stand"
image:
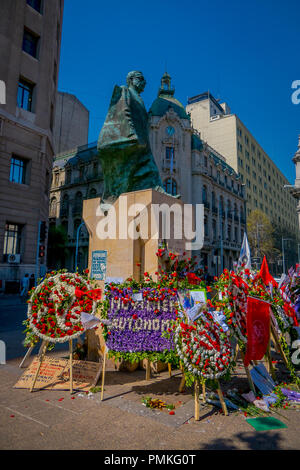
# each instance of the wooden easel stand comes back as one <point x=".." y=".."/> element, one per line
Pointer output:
<point x="221" y="397"/>
<point x="41" y="358"/>
<point x="197" y="408"/>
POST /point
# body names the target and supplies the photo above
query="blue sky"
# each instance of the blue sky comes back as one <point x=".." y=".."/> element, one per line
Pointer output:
<point x="244" y="52"/>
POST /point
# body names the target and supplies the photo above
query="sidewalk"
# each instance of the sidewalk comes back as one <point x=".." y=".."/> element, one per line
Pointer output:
<point x="55" y="420"/>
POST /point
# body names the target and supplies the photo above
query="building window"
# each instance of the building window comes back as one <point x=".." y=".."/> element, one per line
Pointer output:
<point x="64" y="210"/>
<point x="77" y="222"/>
<point x="25" y="95"/>
<point x="53" y="206"/>
<point x="77" y="209"/>
<point x="214" y="229"/>
<point x="229" y="232"/>
<point x="170" y="186"/>
<point x="30" y="43"/>
<point x="169" y="153"/>
<point x="205" y="227"/>
<point x="65" y="226"/>
<point x="81" y="172"/>
<point x="93" y="193"/>
<point x="35" y="4"/>
<point x="68" y="176"/>
<point x="235" y="234"/>
<point x="56" y="179"/>
<point x="95" y="169"/>
<point x="12" y="239"/>
<point x="18" y="170"/>
<point x="213" y="200"/>
<point x="204" y="195"/>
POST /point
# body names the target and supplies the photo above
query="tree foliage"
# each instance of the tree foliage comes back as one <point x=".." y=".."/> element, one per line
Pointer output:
<point x="260" y="233"/>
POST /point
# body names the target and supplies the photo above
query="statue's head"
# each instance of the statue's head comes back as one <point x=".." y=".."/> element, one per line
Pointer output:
<point x="136" y="80"/>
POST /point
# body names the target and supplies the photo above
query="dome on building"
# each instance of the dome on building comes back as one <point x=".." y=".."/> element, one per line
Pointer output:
<point x="165" y="100"/>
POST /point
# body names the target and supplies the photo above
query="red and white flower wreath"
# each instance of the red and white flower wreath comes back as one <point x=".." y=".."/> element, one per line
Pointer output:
<point x="203" y="347"/>
<point x="56" y="304"/>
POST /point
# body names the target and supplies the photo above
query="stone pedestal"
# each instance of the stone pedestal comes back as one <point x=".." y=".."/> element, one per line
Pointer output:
<point x="134" y="213"/>
<point x="133" y="235"/>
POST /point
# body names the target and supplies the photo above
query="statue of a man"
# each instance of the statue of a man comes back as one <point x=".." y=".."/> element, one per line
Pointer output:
<point x="123" y="144"/>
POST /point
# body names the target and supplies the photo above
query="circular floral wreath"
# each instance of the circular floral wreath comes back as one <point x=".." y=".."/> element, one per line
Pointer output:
<point x="56" y="304"/>
<point x="203" y="347"/>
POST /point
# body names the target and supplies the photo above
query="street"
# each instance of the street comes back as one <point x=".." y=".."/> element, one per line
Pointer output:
<point x="12" y="313"/>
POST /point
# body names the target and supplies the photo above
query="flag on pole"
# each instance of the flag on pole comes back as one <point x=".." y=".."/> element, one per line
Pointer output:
<point x="258" y="329"/>
<point x="245" y="256"/>
<point x="265" y="275"/>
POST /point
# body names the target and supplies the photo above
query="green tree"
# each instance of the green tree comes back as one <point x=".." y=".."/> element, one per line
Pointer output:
<point x="260" y="232"/>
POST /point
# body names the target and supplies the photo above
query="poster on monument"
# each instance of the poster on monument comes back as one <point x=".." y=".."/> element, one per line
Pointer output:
<point x="99" y="262"/>
<point x="191" y="301"/>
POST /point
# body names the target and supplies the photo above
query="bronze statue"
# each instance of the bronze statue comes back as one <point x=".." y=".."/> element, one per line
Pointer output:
<point x="123" y="144"/>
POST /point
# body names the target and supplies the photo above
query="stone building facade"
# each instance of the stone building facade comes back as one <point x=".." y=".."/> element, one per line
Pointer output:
<point x="264" y="182"/>
<point x="71" y="125"/>
<point x="30" y="39"/>
<point x="295" y="190"/>
<point x="191" y="168"/>
<point x="76" y="176"/>
<point x="187" y="166"/>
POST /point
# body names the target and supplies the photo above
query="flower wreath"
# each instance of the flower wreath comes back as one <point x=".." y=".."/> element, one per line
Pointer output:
<point x="233" y="302"/>
<point x="56" y="304"/>
<point x="203" y="347"/>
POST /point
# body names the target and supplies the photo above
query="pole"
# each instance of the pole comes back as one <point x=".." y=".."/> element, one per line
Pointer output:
<point x="77" y="243"/>
<point x="283" y="261"/>
<point x="37" y="254"/>
<point x="221" y="242"/>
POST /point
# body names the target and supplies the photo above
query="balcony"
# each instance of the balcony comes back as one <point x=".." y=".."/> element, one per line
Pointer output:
<point x="167" y="164"/>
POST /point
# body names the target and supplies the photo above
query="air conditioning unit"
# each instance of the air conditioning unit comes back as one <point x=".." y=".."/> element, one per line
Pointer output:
<point x="14" y="258"/>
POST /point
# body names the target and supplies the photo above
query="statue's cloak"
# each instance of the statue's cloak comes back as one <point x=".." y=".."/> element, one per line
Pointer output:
<point x="124" y="147"/>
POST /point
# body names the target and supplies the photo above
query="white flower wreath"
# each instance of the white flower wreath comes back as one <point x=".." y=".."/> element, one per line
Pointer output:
<point x="62" y="296"/>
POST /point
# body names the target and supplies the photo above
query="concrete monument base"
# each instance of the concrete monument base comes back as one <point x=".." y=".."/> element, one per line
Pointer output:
<point x="133" y="227"/>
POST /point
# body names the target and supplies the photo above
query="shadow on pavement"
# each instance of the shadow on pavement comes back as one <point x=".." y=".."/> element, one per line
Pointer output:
<point x="257" y="441"/>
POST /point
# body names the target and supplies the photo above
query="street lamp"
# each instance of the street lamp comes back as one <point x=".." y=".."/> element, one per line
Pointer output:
<point x="257" y="242"/>
<point x="77" y="242"/>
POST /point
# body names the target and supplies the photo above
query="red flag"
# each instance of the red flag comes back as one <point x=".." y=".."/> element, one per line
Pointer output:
<point x="265" y="274"/>
<point x="258" y="329"/>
